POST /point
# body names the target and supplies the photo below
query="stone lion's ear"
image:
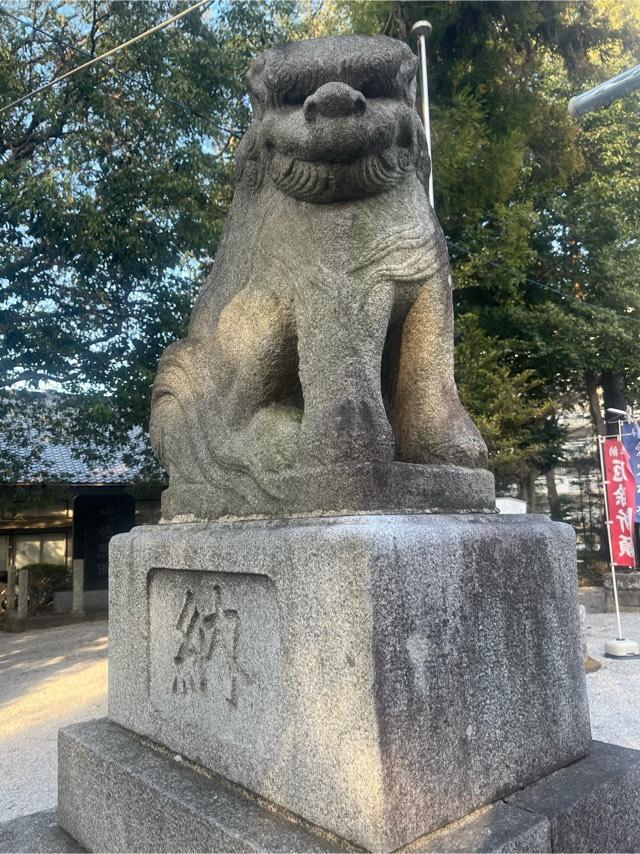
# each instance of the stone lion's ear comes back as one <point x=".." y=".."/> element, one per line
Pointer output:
<point x="254" y="81"/>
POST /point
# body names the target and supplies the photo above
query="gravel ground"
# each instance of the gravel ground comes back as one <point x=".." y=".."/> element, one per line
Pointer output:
<point x="53" y="677"/>
<point x="614" y="690"/>
<point x="48" y="678"/>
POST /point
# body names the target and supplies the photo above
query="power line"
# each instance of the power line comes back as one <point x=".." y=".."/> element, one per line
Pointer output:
<point x="180" y="104"/>
<point x="102" y="56"/>
<point x="557" y="291"/>
<point x="161" y="26"/>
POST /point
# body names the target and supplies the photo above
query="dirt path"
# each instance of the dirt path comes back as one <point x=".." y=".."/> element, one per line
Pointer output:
<point x="48" y="678"/>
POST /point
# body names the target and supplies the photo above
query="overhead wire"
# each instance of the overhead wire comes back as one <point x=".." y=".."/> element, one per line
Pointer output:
<point x="101" y="57"/>
<point x="176" y="103"/>
<point x="177" y="16"/>
<point x="557" y="291"/>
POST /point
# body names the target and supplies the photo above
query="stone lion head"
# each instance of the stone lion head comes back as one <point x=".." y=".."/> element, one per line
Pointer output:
<point x="334" y="118"/>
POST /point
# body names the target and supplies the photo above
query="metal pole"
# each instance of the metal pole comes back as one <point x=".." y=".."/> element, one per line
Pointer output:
<point x="422" y="29"/>
<point x="605" y="93"/>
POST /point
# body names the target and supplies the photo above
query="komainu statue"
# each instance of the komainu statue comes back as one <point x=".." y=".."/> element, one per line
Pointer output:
<point x="317" y="374"/>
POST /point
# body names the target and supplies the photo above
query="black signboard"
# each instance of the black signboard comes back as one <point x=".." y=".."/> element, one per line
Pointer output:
<point x="96" y="518"/>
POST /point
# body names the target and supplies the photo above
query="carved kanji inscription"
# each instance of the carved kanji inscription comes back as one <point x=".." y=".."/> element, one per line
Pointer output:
<point x="214" y="651"/>
<point x="210" y="642"/>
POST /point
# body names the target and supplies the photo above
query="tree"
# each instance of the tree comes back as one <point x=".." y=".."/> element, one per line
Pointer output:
<point x="518" y="423"/>
<point x="114" y="186"/>
<point x="540" y="211"/>
<point x="114" y="190"/>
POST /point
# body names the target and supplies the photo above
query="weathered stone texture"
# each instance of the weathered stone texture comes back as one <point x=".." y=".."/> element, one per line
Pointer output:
<point x="113" y="784"/>
<point x="498" y="828"/>
<point x="380" y="676"/>
<point x="117" y="794"/>
<point x="320" y="351"/>
<point x="38" y="833"/>
<point x="385" y="488"/>
<point x="593" y="804"/>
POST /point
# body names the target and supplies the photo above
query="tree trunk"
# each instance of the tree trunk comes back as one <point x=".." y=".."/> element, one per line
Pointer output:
<point x="555" y="508"/>
<point x="614" y="396"/>
<point x="402" y="20"/>
<point x="594" y="405"/>
<point x="532" y="503"/>
<point x="523" y="493"/>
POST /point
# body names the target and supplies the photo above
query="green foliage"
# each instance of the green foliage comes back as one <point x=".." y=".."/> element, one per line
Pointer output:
<point x="114" y="187"/>
<point x="541" y="211"/>
<point x="517" y="421"/>
<point x="113" y="197"/>
<point x="45" y="579"/>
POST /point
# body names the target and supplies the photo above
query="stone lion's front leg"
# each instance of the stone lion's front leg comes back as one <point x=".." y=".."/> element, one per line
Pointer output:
<point x="430" y="423"/>
<point x="341" y="327"/>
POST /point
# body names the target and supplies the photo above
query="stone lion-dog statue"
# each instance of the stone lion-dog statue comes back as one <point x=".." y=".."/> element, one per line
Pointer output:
<point x="317" y="374"/>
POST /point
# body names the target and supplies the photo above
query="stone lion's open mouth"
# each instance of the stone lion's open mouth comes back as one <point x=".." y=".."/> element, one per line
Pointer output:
<point x="323" y="181"/>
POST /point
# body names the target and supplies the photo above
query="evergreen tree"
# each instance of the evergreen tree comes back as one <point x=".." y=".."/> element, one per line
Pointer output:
<point x="540" y="210"/>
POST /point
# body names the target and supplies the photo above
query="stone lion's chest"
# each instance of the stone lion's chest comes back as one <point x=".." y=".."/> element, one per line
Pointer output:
<point x="390" y="235"/>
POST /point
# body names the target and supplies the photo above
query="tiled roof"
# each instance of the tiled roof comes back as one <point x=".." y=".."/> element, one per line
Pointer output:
<point x="31" y="457"/>
<point x="57" y="463"/>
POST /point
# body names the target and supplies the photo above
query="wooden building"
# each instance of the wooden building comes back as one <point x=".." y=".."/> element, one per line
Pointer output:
<point x="65" y="508"/>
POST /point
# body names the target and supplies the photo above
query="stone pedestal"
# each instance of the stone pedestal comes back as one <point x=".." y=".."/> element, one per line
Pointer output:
<point x="77" y="596"/>
<point x="119" y="792"/>
<point x="377" y="682"/>
<point x="379" y="676"/>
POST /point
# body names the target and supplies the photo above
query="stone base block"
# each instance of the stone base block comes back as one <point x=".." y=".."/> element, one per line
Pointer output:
<point x="118" y="792"/>
<point x="379" y="488"/>
<point x="628" y="584"/>
<point x="38" y="833"/>
<point x="379" y="676"/>
<point x="496" y="828"/>
<point x="593" y="805"/>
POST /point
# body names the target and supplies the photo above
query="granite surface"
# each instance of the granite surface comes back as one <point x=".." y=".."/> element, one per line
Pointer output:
<point x="496" y="828"/>
<point x="38" y="833"/>
<point x="378" y="676"/>
<point x="320" y="350"/>
<point x="117" y="793"/>
<point x="592" y="805"/>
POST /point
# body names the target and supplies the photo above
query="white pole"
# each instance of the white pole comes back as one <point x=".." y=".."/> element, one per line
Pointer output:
<point x="620" y="648"/>
<point x="601" y="440"/>
<point x="422" y="29"/>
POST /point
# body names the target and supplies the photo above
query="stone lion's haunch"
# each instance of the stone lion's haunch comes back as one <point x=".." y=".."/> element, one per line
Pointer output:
<point x="317" y="374"/>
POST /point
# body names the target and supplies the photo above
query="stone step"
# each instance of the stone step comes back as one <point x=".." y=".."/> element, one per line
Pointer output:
<point x="118" y="792"/>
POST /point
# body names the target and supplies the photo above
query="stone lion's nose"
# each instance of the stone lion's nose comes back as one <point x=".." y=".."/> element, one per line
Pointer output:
<point x="334" y="100"/>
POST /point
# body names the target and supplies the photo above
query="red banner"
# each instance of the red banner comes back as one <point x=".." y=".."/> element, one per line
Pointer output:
<point x="621" y="501"/>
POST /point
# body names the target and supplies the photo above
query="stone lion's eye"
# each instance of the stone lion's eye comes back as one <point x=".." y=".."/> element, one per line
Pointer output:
<point x="377" y="87"/>
<point x="294" y="97"/>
